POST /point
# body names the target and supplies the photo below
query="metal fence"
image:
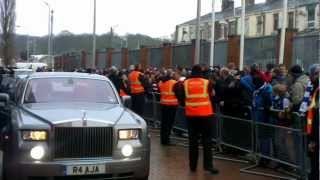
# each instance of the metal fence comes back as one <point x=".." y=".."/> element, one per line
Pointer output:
<point x="182" y="55"/>
<point x="156" y="57"/>
<point x="260" y="50"/>
<point x="242" y="131"/>
<point x="306" y="50"/>
<point x="134" y="57"/>
<point x="220" y="53"/>
<point x="117" y="59"/>
<point x="101" y="60"/>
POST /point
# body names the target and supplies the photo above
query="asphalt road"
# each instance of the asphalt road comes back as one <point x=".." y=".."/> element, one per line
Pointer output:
<point x="171" y="163"/>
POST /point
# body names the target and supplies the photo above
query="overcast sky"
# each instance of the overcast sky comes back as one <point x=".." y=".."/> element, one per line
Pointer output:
<point x="156" y="18"/>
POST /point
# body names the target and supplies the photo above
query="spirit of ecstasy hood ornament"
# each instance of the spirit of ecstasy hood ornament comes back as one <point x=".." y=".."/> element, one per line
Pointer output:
<point x="84" y="119"/>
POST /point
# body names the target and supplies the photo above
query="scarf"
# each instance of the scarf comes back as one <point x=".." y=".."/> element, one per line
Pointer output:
<point x="306" y="99"/>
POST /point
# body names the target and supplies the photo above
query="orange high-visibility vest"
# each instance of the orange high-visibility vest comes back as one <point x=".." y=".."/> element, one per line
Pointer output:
<point x="122" y="93"/>
<point x="135" y="84"/>
<point x="167" y="96"/>
<point x="197" y="102"/>
<point x="311" y="112"/>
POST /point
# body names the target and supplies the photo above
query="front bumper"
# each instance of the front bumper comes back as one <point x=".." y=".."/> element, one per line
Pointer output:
<point x="137" y="167"/>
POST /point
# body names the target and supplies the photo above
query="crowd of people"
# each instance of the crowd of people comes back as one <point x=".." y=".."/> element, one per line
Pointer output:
<point x="274" y="92"/>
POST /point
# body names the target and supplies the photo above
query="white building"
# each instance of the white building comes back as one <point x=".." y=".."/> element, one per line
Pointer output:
<point x="262" y="19"/>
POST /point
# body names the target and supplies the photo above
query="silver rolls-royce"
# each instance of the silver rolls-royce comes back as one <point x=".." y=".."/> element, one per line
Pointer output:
<point x="71" y="126"/>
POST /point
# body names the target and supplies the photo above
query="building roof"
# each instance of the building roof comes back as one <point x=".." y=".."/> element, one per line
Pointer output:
<point x="260" y="7"/>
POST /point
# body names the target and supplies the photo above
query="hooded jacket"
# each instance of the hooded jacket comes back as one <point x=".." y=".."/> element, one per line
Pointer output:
<point x="297" y="90"/>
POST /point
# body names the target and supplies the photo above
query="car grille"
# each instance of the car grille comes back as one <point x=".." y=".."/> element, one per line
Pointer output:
<point x="88" y="142"/>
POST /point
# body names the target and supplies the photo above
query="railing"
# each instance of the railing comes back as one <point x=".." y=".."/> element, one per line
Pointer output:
<point x="245" y="133"/>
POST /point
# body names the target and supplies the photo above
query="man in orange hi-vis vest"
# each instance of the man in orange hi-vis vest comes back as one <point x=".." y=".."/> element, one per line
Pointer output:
<point x="137" y="89"/>
<point x="169" y="104"/>
<point x="313" y="123"/>
<point x="197" y="98"/>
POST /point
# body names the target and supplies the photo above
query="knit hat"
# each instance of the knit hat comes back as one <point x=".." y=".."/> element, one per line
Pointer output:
<point x="296" y="70"/>
<point x="314" y="68"/>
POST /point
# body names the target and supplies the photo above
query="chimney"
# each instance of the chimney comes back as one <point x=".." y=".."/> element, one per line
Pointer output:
<point x="227" y="4"/>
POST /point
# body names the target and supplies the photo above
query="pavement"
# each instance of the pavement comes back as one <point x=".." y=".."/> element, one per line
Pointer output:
<point x="171" y="163"/>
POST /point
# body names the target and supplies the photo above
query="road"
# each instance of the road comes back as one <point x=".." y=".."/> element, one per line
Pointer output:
<point x="171" y="163"/>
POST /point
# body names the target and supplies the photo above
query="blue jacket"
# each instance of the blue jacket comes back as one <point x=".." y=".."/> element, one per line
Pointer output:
<point x="246" y="81"/>
<point x="262" y="101"/>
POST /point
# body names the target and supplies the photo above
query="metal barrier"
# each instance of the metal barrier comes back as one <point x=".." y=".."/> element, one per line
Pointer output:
<point x="237" y="132"/>
<point x="249" y="134"/>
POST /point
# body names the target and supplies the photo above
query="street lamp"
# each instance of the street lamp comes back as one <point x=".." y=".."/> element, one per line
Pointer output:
<point x="94" y="35"/>
<point x="197" y="50"/>
<point x="213" y="21"/>
<point x="111" y="34"/>
<point x="50" y="28"/>
<point x="243" y="28"/>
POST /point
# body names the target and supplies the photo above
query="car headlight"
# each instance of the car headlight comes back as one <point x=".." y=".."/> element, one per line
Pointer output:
<point x="127" y="150"/>
<point x="128" y="134"/>
<point x="34" y="135"/>
<point x="37" y="152"/>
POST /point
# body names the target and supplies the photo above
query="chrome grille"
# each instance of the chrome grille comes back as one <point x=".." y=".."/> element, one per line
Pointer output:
<point x="83" y="142"/>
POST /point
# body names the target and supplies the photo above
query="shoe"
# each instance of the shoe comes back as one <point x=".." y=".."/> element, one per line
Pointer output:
<point x="212" y="171"/>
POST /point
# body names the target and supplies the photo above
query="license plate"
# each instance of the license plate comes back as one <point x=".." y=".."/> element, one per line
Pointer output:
<point x="85" y="170"/>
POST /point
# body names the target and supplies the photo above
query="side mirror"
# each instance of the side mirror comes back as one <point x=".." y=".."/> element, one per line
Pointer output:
<point x="126" y="100"/>
<point x="4" y="100"/>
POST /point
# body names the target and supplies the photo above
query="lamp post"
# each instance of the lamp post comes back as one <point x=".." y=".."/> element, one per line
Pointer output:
<point x="243" y="12"/>
<point x="50" y="28"/>
<point x="283" y="31"/>
<point x="197" y="50"/>
<point x="94" y="35"/>
<point x="212" y="33"/>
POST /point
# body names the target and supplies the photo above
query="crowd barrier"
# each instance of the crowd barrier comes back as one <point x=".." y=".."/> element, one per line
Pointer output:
<point x="242" y="130"/>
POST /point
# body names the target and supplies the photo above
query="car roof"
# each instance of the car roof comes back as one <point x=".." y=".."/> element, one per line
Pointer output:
<point x="25" y="70"/>
<point x="66" y="74"/>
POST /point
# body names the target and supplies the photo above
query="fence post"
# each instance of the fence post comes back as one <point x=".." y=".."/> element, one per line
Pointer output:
<point x="125" y="57"/>
<point x="234" y="50"/>
<point x="167" y="55"/>
<point x="84" y="56"/>
<point x="193" y="43"/>
<point x="144" y="57"/>
<point x="62" y="61"/>
<point x="56" y="59"/>
<point x="96" y="59"/>
<point x="109" y="57"/>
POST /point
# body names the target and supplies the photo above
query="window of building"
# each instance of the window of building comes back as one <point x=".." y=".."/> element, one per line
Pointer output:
<point x="217" y="30"/>
<point x="260" y="24"/>
<point x="247" y="26"/>
<point x="184" y="33"/>
<point x="232" y="28"/>
<point x="311" y="16"/>
<point x="291" y="20"/>
<point x="192" y="32"/>
<point x="275" y="22"/>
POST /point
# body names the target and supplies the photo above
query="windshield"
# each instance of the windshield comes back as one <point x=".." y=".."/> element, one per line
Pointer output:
<point x="55" y="90"/>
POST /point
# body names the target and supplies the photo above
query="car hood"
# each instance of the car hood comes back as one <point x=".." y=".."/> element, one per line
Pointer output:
<point x="78" y="114"/>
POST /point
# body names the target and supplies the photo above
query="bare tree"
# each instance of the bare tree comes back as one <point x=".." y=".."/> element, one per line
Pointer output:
<point x="7" y="27"/>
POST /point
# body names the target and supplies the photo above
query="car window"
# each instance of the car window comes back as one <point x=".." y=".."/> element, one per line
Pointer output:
<point x="48" y="90"/>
